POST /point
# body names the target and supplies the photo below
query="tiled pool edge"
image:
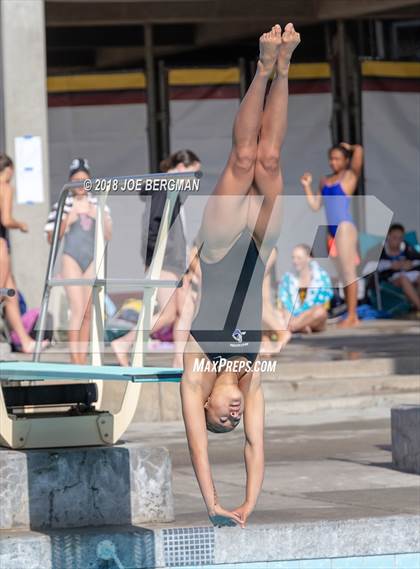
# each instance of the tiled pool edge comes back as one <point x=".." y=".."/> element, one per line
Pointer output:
<point x="390" y="535"/>
<point x="341" y="544"/>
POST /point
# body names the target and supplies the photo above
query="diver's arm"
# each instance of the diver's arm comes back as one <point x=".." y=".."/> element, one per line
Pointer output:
<point x="195" y="426"/>
<point x="254" y="444"/>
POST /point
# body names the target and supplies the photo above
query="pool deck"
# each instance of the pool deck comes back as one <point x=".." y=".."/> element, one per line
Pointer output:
<point x="331" y="465"/>
<point x="329" y="490"/>
<point x="324" y="465"/>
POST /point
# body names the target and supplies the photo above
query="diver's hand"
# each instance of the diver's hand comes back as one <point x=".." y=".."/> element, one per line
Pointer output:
<point x="243" y="512"/>
<point x="220" y="517"/>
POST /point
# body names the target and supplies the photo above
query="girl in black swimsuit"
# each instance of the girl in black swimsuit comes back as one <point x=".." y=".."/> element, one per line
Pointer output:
<point x="239" y="229"/>
<point x="8" y="222"/>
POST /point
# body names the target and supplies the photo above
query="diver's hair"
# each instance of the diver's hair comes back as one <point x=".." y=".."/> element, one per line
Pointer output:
<point x="346" y="153"/>
<point x="219" y="429"/>
<point x="5" y="162"/>
<point x="305" y="248"/>
<point x="185" y="156"/>
<point x="396" y="227"/>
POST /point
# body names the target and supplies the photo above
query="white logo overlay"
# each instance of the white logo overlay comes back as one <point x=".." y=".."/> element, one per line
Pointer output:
<point x="238" y="335"/>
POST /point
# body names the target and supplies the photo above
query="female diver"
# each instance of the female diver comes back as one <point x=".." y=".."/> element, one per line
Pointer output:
<point x="239" y="229"/>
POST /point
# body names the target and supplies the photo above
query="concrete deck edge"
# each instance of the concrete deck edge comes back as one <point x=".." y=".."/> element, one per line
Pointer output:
<point x="159" y="547"/>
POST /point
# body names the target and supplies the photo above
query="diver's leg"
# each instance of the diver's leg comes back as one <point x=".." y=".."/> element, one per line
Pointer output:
<point x="268" y="181"/>
<point x="225" y="218"/>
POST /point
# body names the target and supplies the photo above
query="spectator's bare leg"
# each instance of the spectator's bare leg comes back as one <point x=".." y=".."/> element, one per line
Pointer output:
<point x="13" y="316"/>
<point x="167" y="303"/>
<point x="84" y="333"/>
<point x="273" y="322"/>
<point x="308" y="320"/>
<point x="76" y="297"/>
<point x="346" y="241"/>
<point x="408" y="289"/>
<point x="4" y="263"/>
<point x="319" y="321"/>
<point x="121" y="347"/>
<point x="186" y="299"/>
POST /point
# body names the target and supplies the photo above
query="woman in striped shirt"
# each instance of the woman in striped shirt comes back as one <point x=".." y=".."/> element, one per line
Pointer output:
<point x="77" y="228"/>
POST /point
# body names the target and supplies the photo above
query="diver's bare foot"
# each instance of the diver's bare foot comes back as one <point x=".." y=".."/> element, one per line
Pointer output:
<point x="289" y="42"/>
<point x="269" y="49"/>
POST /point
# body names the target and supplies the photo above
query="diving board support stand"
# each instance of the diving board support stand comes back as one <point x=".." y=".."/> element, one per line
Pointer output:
<point x="126" y="413"/>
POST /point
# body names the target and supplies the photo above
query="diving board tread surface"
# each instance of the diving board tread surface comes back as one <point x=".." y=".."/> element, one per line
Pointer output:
<point x="35" y="371"/>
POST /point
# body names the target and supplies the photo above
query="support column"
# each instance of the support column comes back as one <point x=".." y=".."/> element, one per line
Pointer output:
<point x="151" y="98"/>
<point x="2" y="133"/>
<point x="347" y="103"/>
<point x="343" y="74"/>
<point x="24" y="97"/>
<point x="164" y="110"/>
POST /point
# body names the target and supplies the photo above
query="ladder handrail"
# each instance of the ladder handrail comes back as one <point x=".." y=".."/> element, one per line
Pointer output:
<point x="142" y="283"/>
<point x="50" y="265"/>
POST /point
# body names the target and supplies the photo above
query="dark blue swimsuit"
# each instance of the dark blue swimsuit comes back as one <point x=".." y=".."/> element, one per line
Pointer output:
<point x="228" y="322"/>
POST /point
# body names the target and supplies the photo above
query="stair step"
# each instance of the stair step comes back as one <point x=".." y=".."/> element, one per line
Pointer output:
<point x="274" y="408"/>
<point x="287" y="389"/>
<point x="345" y="368"/>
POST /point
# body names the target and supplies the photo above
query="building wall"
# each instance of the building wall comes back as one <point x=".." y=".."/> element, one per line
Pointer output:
<point x="108" y="126"/>
<point x="391" y="134"/>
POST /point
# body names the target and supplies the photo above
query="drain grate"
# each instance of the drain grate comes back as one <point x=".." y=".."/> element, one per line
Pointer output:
<point x="107" y="550"/>
<point x="188" y="546"/>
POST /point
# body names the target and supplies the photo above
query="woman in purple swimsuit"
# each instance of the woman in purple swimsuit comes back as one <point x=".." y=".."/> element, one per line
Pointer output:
<point x="346" y="162"/>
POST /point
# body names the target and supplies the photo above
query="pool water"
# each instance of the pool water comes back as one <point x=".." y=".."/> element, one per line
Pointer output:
<point x="396" y="561"/>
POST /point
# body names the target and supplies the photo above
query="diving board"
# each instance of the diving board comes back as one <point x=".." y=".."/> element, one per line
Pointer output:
<point x="30" y="371"/>
<point x="65" y="426"/>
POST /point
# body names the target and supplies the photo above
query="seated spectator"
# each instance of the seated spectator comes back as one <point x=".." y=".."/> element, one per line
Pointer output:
<point x="274" y="327"/>
<point x="169" y="300"/>
<point x="400" y="264"/>
<point x="305" y="293"/>
<point x="121" y="345"/>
